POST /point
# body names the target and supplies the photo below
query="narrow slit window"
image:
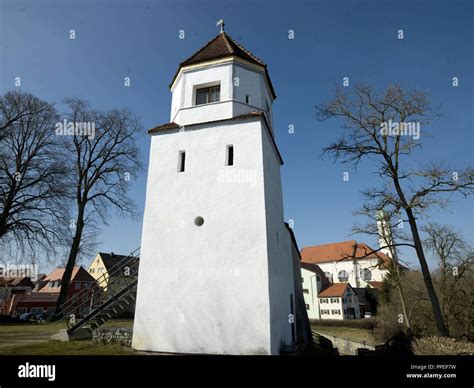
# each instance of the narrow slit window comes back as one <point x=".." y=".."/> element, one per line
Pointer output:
<point x="230" y="155"/>
<point x="182" y="161"/>
<point x="247" y="99"/>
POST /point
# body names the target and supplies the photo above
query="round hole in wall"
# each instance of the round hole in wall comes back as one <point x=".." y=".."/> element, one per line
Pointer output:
<point x="198" y="221"/>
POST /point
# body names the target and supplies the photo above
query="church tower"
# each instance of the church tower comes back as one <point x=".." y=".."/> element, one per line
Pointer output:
<point x="216" y="272"/>
<point x="385" y="234"/>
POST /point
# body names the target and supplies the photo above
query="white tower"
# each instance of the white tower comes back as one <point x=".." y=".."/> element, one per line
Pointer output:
<point x="385" y="234"/>
<point x="216" y="271"/>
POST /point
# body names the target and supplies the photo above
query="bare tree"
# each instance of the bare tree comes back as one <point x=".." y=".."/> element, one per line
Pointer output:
<point x="105" y="157"/>
<point x="455" y="261"/>
<point x="385" y="128"/>
<point x="31" y="173"/>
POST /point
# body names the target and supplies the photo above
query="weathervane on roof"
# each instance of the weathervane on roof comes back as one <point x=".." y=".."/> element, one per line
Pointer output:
<point x="221" y="23"/>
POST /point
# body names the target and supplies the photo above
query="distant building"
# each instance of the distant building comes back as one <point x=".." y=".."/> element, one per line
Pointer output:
<point x="51" y="284"/>
<point x="348" y="262"/>
<point x="108" y="266"/>
<point x="325" y="300"/>
<point x="44" y="295"/>
<point x="30" y="303"/>
<point x="339" y="301"/>
<point x="19" y="285"/>
<point x="10" y="286"/>
<point x="312" y="281"/>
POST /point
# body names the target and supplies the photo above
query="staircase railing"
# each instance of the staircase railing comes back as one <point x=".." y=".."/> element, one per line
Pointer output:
<point x="98" y="312"/>
<point x="119" y="277"/>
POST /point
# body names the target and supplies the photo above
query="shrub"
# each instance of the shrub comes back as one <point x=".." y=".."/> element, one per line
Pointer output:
<point x="386" y="324"/>
<point x="433" y="346"/>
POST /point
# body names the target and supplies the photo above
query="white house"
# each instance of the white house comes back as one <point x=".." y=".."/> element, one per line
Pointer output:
<point x="349" y="262"/>
<point x="339" y="301"/>
<point x="312" y="281"/>
<point x="325" y="300"/>
<point x="216" y="266"/>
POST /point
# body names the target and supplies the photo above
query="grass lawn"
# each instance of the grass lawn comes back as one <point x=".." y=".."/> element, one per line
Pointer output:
<point x="35" y="338"/>
<point x="350" y="333"/>
<point x="57" y="348"/>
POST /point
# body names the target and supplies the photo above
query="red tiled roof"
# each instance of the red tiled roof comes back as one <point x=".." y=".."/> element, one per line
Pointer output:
<point x="334" y="290"/>
<point x="345" y="250"/>
<point x="57" y="274"/>
<point x="164" y="127"/>
<point x="220" y="47"/>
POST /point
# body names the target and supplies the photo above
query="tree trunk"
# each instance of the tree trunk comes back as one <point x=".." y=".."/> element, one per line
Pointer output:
<point x="6" y="211"/>
<point x="71" y="261"/>
<point x="438" y="315"/>
<point x="393" y="250"/>
<point x="402" y="302"/>
<point x="443" y="291"/>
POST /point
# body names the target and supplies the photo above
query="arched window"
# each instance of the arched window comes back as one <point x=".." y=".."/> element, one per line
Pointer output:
<point x="343" y="276"/>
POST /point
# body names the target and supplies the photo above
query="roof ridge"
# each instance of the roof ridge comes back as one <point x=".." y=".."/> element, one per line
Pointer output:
<point x="334" y="243"/>
<point x="245" y="50"/>
<point x="226" y="41"/>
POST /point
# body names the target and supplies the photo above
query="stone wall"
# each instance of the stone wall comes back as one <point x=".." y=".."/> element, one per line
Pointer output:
<point x="345" y="346"/>
<point x="122" y="336"/>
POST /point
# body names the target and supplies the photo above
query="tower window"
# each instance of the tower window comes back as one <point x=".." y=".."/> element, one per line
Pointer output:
<point x="181" y="161"/>
<point x="208" y="95"/>
<point x="230" y="156"/>
<point x="247" y="99"/>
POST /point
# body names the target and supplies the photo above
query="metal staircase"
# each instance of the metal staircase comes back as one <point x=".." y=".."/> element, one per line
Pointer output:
<point x="109" y="295"/>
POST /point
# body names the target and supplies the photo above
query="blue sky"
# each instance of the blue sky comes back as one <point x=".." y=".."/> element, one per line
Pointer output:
<point x="333" y="39"/>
